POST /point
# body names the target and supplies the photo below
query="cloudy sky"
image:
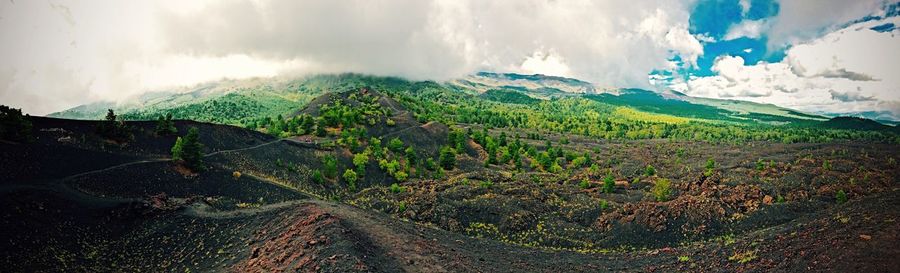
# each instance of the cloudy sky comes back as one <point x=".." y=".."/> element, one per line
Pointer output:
<point x="831" y="56"/>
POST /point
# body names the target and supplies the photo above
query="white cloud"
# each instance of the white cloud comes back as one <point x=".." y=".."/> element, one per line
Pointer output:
<point x="852" y="69"/>
<point x="57" y="56"/>
<point x="745" y="6"/>
<point x="547" y="64"/>
<point x="748" y="28"/>
<point x="799" y="21"/>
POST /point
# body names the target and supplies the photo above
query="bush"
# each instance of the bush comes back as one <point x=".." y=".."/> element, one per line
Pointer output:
<point x="318" y="177"/>
<point x="650" y="171"/>
<point x="556" y="168"/>
<point x="603" y="204"/>
<point x="395" y="145"/>
<point x="760" y="165"/>
<point x="585" y="184"/>
<point x="113" y="128"/>
<point x="329" y="166"/>
<point x="401" y="176"/>
<point x="395" y="188"/>
<point x="710" y="166"/>
<point x="165" y="126"/>
<point x="609" y="183"/>
<point x="662" y="189"/>
<point x="13" y="125"/>
<point x="360" y="160"/>
<point x="236" y="174"/>
<point x="487" y="184"/>
<point x="350" y="177"/>
<point x="189" y="150"/>
<point x="841" y="197"/>
<point x="447" y="158"/>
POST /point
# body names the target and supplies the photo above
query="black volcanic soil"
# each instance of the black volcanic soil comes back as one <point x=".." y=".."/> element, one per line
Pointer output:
<point x="73" y="202"/>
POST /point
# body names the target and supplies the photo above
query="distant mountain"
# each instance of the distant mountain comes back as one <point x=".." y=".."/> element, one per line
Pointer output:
<point x="538" y="85"/>
<point x="883" y="117"/>
<point x="240" y="102"/>
<point x="672" y="103"/>
<point x="856" y="123"/>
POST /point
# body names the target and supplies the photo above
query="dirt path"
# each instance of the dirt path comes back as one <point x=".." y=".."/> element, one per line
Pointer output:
<point x="203" y="210"/>
<point x="414" y="252"/>
<point x="402" y="130"/>
<point x="155" y="160"/>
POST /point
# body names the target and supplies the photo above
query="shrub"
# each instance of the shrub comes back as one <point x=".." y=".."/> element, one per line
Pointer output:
<point x="189" y="150"/>
<point x="395" y="188"/>
<point x="318" y="177"/>
<point x="447" y="158"/>
<point x="360" y="160"/>
<point x="395" y="145"/>
<point x="236" y="174"/>
<point x="650" y="171"/>
<point x="760" y="165"/>
<point x="710" y="166"/>
<point x="401" y="176"/>
<point x="350" y="177"/>
<point x="329" y="166"/>
<point x="609" y="183"/>
<point x="487" y="184"/>
<point x="585" y="184"/>
<point x="13" y="125"/>
<point x="556" y="168"/>
<point x="390" y="122"/>
<point x="662" y="189"/>
<point x="841" y="197"/>
<point x="165" y="126"/>
<point x="114" y="128"/>
<point x="411" y="156"/>
<point x="603" y="204"/>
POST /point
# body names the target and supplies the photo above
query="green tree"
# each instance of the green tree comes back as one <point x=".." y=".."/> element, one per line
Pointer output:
<point x="350" y="177"/>
<point x="662" y="189"/>
<point x="401" y="176"/>
<point x="320" y="127"/>
<point x="411" y="156"/>
<point x="165" y="126"/>
<point x="650" y="171"/>
<point x="360" y="160"/>
<point x="584" y="184"/>
<point x="395" y="145"/>
<point x="710" y="167"/>
<point x="13" y="125"/>
<point x="841" y="197"/>
<point x="318" y="177"/>
<point x="447" y="158"/>
<point x="329" y="166"/>
<point x="189" y="150"/>
<point x="113" y="128"/>
<point x="177" y="149"/>
<point x="609" y="183"/>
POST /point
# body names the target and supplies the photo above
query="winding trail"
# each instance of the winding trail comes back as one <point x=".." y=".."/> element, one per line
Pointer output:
<point x="60" y="186"/>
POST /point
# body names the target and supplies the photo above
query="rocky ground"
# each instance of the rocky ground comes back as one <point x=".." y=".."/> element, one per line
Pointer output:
<point x="74" y="202"/>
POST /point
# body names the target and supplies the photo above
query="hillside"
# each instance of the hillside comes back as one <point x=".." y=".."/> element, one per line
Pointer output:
<point x="468" y="195"/>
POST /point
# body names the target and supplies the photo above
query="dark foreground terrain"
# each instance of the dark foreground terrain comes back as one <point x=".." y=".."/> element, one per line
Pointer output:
<point x="73" y="202"/>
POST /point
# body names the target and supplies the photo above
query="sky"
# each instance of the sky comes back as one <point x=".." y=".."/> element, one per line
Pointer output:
<point x="818" y="56"/>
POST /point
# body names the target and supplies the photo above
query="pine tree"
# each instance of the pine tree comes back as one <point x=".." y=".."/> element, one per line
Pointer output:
<point x="350" y="177"/>
<point x="13" y="125"/>
<point x="447" y="158"/>
<point x="411" y="156"/>
<point x="165" y="126"/>
<point x="177" y="149"/>
<point x="189" y="150"/>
